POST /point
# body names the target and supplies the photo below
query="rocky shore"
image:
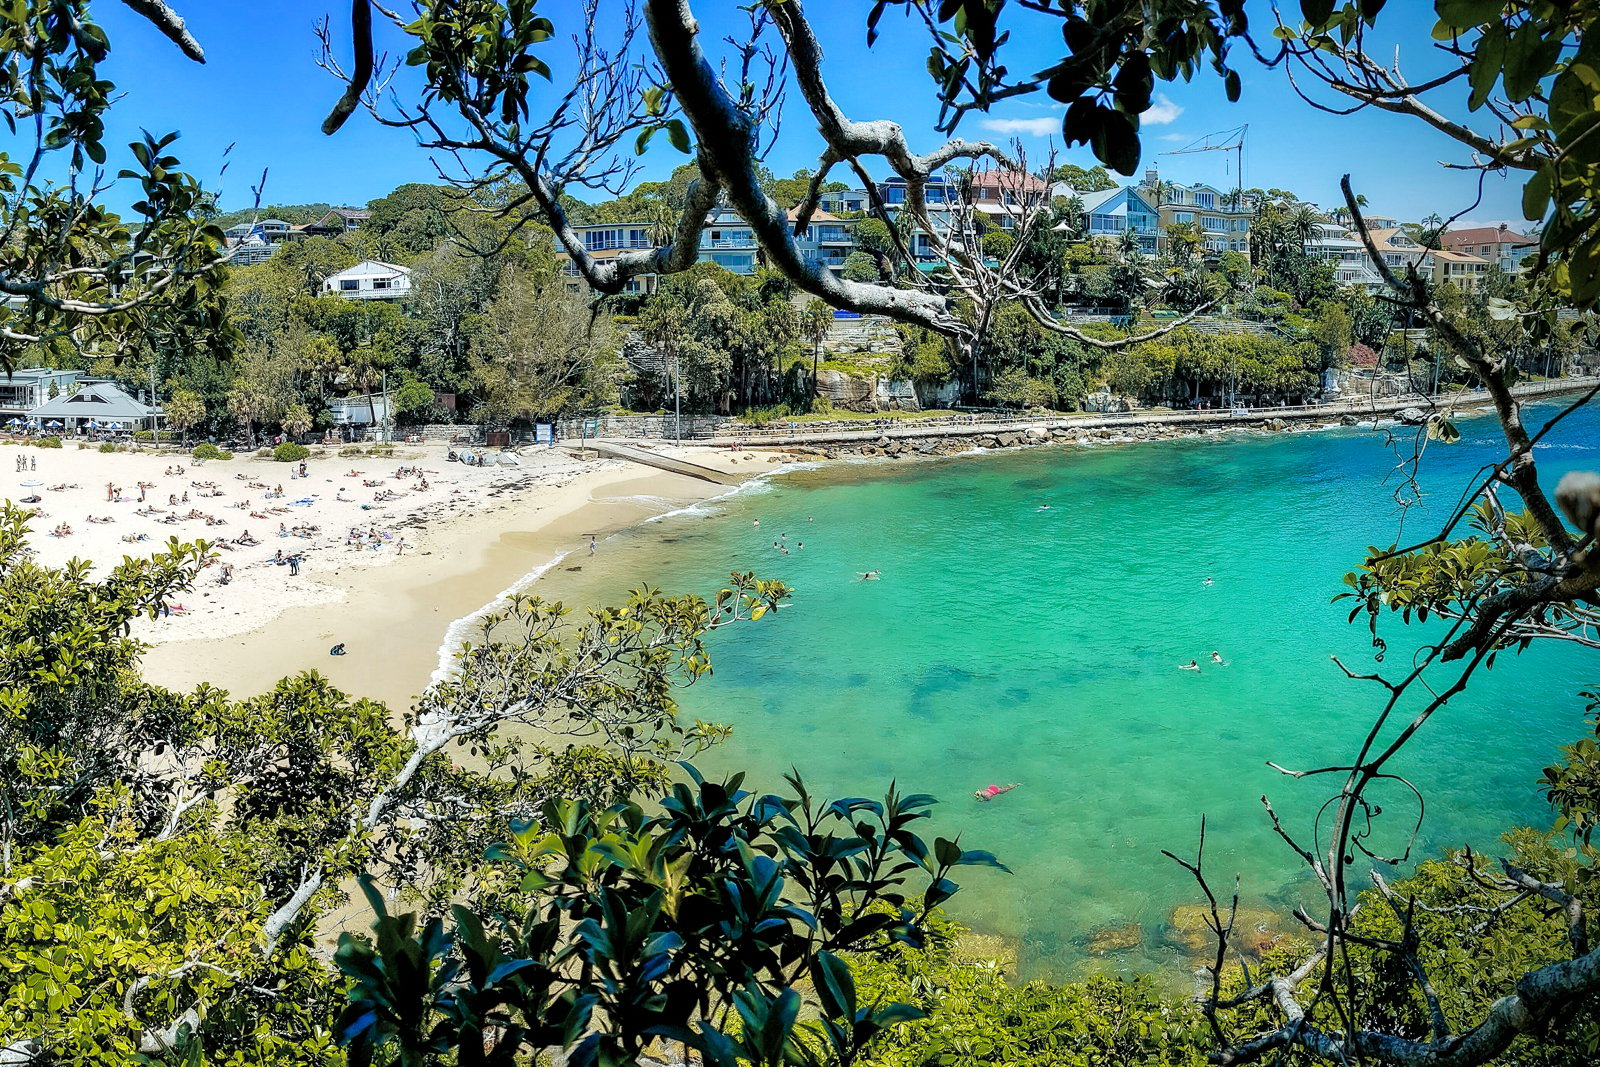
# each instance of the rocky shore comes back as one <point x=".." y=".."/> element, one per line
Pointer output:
<point x="905" y="447"/>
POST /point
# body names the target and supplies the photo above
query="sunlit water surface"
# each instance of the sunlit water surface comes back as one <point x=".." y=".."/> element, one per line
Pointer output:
<point x="1004" y="643"/>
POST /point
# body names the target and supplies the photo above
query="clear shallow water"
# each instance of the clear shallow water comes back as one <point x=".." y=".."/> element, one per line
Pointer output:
<point x="1008" y="644"/>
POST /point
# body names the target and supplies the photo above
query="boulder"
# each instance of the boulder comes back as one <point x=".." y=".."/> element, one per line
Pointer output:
<point x="1111" y="939"/>
<point x="1255" y="930"/>
<point x="1348" y="420"/>
<point x="1009" y="440"/>
<point x="1036" y="433"/>
<point x="1413" y="416"/>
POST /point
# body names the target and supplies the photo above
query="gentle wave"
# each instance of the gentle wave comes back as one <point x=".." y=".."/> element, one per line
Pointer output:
<point x="455" y="634"/>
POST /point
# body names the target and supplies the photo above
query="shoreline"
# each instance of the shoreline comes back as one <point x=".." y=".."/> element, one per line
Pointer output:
<point x="419" y="608"/>
<point x="398" y="620"/>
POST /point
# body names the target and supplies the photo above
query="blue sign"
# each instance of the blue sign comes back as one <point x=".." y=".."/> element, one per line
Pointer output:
<point x="544" y="433"/>
<point x="840" y="313"/>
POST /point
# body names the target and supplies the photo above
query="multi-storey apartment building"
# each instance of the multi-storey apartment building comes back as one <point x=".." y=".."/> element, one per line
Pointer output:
<point x="727" y="240"/>
<point x="1222" y="217"/>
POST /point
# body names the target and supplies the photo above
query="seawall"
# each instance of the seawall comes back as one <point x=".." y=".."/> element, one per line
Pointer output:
<point x="882" y="437"/>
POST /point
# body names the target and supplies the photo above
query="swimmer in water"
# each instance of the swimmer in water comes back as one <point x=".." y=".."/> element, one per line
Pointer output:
<point x="989" y="792"/>
<point x="1190" y="666"/>
<point x="1042" y="507"/>
<point x="1216" y="657"/>
<point x="1208" y="580"/>
<point x="869" y="576"/>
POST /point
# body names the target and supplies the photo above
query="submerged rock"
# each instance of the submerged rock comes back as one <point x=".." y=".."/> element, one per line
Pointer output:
<point x="1255" y="930"/>
<point x="1111" y="939"/>
<point x="1413" y="416"/>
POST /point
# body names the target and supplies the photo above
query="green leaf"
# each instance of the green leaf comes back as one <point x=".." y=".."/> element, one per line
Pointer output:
<point x="1535" y="195"/>
<point x="836" y="987"/>
<point x="1465" y="14"/>
<point x="1317" y="12"/>
<point x="678" y="135"/>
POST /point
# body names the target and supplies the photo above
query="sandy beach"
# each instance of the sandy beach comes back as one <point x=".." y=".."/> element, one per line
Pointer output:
<point x="394" y="549"/>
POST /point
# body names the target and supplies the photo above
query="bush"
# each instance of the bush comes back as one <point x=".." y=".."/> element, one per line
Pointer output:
<point x="107" y="446"/>
<point x="763" y="416"/>
<point x="48" y="442"/>
<point x="206" y="450"/>
<point x="351" y="450"/>
<point x="165" y="437"/>
<point x="290" y="452"/>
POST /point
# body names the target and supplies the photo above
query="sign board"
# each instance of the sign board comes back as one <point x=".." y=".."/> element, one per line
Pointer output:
<point x="840" y="313"/>
<point x="591" y="428"/>
<point x="544" y="433"/>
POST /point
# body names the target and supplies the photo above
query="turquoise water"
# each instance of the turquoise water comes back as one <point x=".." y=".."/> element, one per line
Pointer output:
<point x="1008" y="644"/>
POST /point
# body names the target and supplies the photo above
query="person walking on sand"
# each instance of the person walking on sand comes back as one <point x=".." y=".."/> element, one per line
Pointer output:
<point x="111" y="492"/>
<point x="591" y="544"/>
<point x="294" y="564"/>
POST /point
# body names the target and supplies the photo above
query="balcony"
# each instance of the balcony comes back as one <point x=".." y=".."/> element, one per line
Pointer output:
<point x="608" y="245"/>
<point x="735" y="243"/>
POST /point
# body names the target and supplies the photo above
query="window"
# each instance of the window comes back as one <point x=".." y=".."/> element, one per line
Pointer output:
<point x="380" y="283"/>
<point x="1212" y="222"/>
<point x="1205" y="199"/>
<point x="737" y="263"/>
<point x="1183" y="216"/>
<point x="349" y="285"/>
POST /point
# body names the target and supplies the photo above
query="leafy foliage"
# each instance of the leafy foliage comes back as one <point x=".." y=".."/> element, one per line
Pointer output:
<point x="634" y="928"/>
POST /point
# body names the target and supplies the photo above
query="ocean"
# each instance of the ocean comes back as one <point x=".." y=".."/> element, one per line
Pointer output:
<point x="1009" y="641"/>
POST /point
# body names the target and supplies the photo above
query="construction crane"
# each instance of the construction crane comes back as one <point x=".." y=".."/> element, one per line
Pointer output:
<point x="1226" y="141"/>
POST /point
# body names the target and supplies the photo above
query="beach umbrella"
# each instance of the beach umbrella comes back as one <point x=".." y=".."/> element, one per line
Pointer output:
<point x="53" y="422"/>
<point x="94" y="425"/>
<point x="13" y="422"/>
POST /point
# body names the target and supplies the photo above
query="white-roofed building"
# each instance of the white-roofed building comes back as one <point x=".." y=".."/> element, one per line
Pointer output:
<point x="371" y="279"/>
<point x="96" y="406"/>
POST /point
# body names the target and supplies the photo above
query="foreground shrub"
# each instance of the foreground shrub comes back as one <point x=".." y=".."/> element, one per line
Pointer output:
<point x="48" y="442"/>
<point x="976" y="1017"/>
<point x="290" y="452"/>
<point x="165" y="437"/>
<point x="107" y="446"/>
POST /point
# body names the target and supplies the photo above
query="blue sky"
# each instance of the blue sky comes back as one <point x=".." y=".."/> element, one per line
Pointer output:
<point x="262" y="92"/>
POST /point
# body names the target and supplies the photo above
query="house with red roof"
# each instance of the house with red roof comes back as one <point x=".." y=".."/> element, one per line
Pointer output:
<point x="1500" y="245"/>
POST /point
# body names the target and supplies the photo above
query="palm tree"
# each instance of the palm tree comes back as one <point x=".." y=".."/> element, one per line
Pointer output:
<point x="814" y="324"/>
<point x="1302" y="224"/>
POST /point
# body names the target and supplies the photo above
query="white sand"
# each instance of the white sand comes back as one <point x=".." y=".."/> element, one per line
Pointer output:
<point x="73" y="485"/>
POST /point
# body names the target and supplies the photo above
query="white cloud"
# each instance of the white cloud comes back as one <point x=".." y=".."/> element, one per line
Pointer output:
<point x="1042" y="127"/>
<point x="1174" y="138"/>
<point x="1163" y="112"/>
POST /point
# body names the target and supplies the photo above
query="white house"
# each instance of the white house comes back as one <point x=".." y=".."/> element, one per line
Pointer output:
<point x="363" y="409"/>
<point x="370" y="279"/>
<point x="96" y="406"/>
